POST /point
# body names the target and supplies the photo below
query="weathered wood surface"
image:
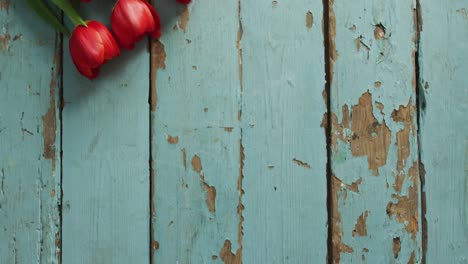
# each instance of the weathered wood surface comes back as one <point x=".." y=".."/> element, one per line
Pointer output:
<point x="375" y="180"/>
<point x="195" y="134"/>
<point x="29" y="139"/>
<point x="106" y="158"/>
<point x="284" y="173"/>
<point x="210" y="145"/>
<point x="444" y="130"/>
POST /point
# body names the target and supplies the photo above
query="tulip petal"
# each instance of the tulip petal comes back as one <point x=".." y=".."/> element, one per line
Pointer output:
<point x="86" y="47"/>
<point x="111" y="48"/>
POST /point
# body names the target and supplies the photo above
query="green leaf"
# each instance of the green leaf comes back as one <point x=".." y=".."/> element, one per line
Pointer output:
<point x="68" y="8"/>
<point x="44" y="11"/>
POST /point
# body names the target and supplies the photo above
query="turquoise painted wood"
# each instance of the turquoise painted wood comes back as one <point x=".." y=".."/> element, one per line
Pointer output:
<point x="375" y="181"/>
<point x="106" y="158"/>
<point x="444" y="131"/>
<point x="210" y="144"/>
<point x="284" y="173"/>
<point x="196" y="133"/>
<point x="29" y="138"/>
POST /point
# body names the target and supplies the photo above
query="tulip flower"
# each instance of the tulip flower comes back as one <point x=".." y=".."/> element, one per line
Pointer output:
<point x="91" y="46"/>
<point x="131" y="20"/>
<point x="184" y="1"/>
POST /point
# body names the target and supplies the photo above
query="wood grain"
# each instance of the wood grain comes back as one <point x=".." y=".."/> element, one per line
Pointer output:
<point x="196" y="133"/>
<point x="284" y="171"/>
<point x="375" y="181"/>
<point x="29" y="138"/>
<point x="444" y="130"/>
<point x="105" y="158"/>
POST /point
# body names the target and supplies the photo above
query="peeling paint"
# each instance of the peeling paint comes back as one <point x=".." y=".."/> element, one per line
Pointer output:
<point x="154" y="245"/>
<point x="404" y="114"/>
<point x="184" y="158"/>
<point x="370" y="138"/>
<point x="158" y="61"/>
<point x="309" y="19"/>
<point x="412" y="258"/>
<point x="210" y="190"/>
<point x="301" y="163"/>
<point x="379" y="31"/>
<point x="49" y="119"/>
<point x="396" y="247"/>
<point x="333" y="53"/>
<point x="184" y="18"/>
<point x="405" y="209"/>
<point x="337" y="244"/>
<point x="172" y="140"/>
<point x="240" y="205"/>
<point x="360" y="228"/>
<point x="5" y="39"/>
<point x="227" y="256"/>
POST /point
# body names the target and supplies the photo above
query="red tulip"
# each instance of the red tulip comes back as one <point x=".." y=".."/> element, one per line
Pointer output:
<point x="91" y="46"/>
<point x="131" y="20"/>
<point x="184" y="1"/>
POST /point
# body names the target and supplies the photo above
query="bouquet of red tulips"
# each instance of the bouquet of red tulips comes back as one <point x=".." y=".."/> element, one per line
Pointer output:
<point x="91" y="42"/>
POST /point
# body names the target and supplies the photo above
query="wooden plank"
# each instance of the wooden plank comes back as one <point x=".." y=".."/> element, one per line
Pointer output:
<point x="29" y="137"/>
<point x="196" y="134"/>
<point x="285" y="213"/>
<point x="444" y="130"/>
<point x="105" y="158"/>
<point x="374" y="153"/>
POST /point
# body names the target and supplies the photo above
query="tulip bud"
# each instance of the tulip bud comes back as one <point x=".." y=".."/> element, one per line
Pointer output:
<point x="91" y="46"/>
<point x="131" y="20"/>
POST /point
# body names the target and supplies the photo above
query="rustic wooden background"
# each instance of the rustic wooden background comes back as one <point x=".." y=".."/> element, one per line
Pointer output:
<point x="213" y="144"/>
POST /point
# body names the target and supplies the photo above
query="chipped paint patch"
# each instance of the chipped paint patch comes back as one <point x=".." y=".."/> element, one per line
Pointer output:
<point x="240" y="205"/>
<point x="158" y="61"/>
<point x="412" y="258"/>
<point x="172" y="140"/>
<point x="396" y="247"/>
<point x="405" y="209"/>
<point x="370" y="138"/>
<point x="5" y="40"/>
<point x="209" y="190"/>
<point x="301" y="163"/>
<point x="184" y="158"/>
<point x="309" y="19"/>
<point x="227" y="256"/>
<point x="49" y="119"/>
<point x="184" y="18"/>
<point x="338" y="246"/>
<point x="379" y="31"/>
<point x="360" y="228"/>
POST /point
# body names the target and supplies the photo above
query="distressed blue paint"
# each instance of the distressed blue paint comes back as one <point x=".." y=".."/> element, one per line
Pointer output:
<point x="215" y="95"/>
<point x="282" y="109"/>
<point x="29" y="178"/>
<point x="356" y="68"/>
<point x="105" y="158"/>
<point x="197" y="98"/>
<point x="444" y="130"/>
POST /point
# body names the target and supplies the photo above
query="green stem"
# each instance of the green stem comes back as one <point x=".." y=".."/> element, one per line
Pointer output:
<point x="68" y="9"/>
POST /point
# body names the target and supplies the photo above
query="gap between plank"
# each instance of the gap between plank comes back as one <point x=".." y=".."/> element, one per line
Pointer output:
<point x="420" y="108"/>
<point x="150" y="149"/>
<point x="328" y="128"/>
